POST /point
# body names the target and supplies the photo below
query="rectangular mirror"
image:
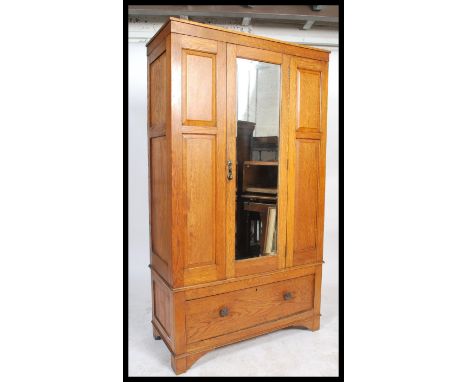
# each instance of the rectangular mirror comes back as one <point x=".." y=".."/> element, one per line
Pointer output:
<point x="257" y="150"/>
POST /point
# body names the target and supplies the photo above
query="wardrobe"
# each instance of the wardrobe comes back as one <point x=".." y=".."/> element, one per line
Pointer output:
<point x="236" y="151"/>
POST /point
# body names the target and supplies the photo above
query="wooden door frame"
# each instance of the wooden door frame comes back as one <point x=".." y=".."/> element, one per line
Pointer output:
<point x="268" y="263"/>
<point x="185" y="128"/>
<point x="319" y="136"/>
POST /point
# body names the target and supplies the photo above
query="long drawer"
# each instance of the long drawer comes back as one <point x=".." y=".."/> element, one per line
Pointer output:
<point x="228" y="312"/>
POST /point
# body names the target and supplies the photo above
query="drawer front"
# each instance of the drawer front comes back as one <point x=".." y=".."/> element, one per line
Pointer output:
<point x="229" y="312"/>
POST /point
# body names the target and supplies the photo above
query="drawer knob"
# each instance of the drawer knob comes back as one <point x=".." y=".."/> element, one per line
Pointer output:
<point x="224" y="312"/>
<point x="287" y="296"/>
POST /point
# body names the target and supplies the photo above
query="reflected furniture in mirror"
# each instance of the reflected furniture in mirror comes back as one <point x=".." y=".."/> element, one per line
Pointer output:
<point x="256" y="194"/>
<point x="236" y="143"/>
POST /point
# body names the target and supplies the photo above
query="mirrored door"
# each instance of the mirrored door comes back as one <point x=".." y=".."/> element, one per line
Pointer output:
<point x="256" y="155"/>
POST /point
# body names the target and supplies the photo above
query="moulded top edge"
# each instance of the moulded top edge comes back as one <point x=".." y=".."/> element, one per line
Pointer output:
<point x="160" y="30"/>
<point x="175" y="19"/>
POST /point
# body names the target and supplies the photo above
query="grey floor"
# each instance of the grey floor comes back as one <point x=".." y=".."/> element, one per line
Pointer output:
<point x="288" y="352"/>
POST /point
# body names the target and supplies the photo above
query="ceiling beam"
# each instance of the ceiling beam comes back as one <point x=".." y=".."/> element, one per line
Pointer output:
<point x="246" y="21"/>
<point x="328" y="13"/>
<point x="139" y="32"/>
<point x="308" y="24"/>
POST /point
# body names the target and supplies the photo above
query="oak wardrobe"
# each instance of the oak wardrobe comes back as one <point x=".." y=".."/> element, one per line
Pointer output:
<point x="237" y="138"/>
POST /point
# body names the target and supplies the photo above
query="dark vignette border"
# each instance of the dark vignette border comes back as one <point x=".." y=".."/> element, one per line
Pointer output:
<point x="341" y="189"/>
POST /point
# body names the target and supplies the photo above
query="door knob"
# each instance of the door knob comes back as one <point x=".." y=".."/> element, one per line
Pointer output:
<point x="287" y="296"/>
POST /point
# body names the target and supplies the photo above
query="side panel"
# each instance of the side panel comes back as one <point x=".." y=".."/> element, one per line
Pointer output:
<point x="162" y="304"/>
<point x="307" y="144"/>
<point x="306" y="201"/>
<point x="160" y="199"/>
<point x="163" y="313"/>
<point x="157" y="96"/>
<point x="159" y="160"/>
<point x="199" y="154"/>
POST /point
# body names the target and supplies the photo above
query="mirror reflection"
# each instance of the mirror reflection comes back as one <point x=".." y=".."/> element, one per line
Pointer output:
<point x="258" y="115"/>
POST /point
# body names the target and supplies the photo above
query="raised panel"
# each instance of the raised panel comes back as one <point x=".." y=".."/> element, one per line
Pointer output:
<point x="198" y="139"/>
<point x="199" y="88"/>
<point x="306" y="172"/>
<point x="199" y="159"/>
<point x="306" y="196"/>
<point x="160" y="200"/>
<point x="162" y="304"/>
<point x="158" y="83"/>
<point x="308" y="99"/>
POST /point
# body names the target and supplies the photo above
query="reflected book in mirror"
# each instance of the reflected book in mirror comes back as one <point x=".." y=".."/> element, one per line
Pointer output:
<point x="257" y="150"/>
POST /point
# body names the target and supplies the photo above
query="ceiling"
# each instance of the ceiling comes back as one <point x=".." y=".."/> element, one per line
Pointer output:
<point x="301" y="16"/>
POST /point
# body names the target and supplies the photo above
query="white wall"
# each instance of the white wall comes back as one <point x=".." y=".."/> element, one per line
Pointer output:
<point x="138" y="174"/>
<point x="138" y="229"/>
<point x="330" y="249"/>
<point x="268" y="100"/>
<point x="258" y="95"/>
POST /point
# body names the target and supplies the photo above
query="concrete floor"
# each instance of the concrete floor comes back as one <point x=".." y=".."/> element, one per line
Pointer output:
<point x="288" y="352"/>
